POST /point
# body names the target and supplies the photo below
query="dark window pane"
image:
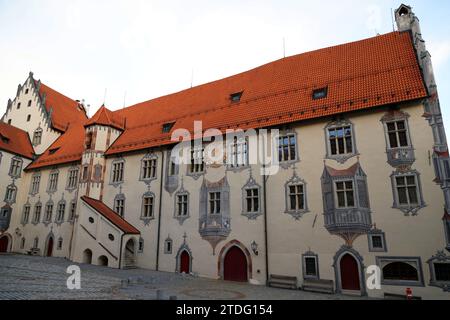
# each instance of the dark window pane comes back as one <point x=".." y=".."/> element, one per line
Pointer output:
<point x="403" y="139"/>
<point x="400" y="125"/>
<point x="400" y="181"/>
<point x="310" y="267"/>
<point x="349" y="185"/>
<point x="249" y="205"/>
<point x="293" y="203"/>
<point x="391" y="126"/>
<point x="412" y="191"/>
<point x="411" y="180"/>
<point x="349" y="145"/>
<point x="292" y="189"/>
<point x="350" y="199"/>
<point x="255" y="204"/>
<point x="393" y="140"/>
<point x="333" y="147"/>
<point x="301" y="202"/>
<point x="442" y="271"/>
<point x="402" y="198"/>
<point x="340" y="186"/>
<point x="341" y="146"/>
<point x="377" y="242"/>
<point x="292" y="152"/>
<point x="341" y="199"/>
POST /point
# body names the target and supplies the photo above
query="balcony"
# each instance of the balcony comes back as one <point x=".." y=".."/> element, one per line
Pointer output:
<point x="401" y="156"/>
<point x="358" y="221"/>
<point x="215" y="225"/>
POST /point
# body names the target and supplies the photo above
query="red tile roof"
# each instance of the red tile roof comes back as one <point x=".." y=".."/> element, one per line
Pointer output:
<point x="109" y="214"/>
<point x="67" y="148"/>
<point x="360" y="75"/>
<point x="63" y="109"/>
<point x="106" y="117"/>
<point x="15" y="140"/>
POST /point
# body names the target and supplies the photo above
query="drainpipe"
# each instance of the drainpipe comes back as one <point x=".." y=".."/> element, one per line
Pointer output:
<point x="160" y="211"/>
<point x="265" y="215"/>
<point x="120" y="251"/>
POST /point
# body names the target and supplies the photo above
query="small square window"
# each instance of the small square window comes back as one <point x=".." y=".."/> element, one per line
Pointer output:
<point x="377" y="242"/>
<point x="320" y="93"/>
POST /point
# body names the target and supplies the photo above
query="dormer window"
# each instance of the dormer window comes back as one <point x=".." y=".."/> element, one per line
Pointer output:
<point x="236" y="97"/>
<point x="167" y="127"/>
<point x="53" y="151"/>
<point x="320" y="93"/>
<point x="4" y="139"/>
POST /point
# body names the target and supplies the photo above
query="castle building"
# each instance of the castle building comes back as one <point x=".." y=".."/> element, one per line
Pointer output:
<point x="363" y="177"/>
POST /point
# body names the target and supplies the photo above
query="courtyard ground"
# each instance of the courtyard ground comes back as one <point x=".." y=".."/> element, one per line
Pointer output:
<point x="38" y="278"/>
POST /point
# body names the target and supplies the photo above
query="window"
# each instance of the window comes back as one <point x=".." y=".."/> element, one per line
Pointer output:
<point x="168" y="246"/>
<point x="91" y="220"/>
<point x="167" y="127"/>
<point x="111" y="237"/>
<point x="148" y="206"/>
<point x="442" y="271"/>
<point x="48" y="212"/>
<point x="172" y="167"/>
<point x="141" y="245"/>
<point x="29" y="103"/>
<point x="18" y="106"/>
<point x="22" y="243"/>
<point x="197" y="162"/>
<point x="310" y="266"/>
<point x="407" y="190"/>
<point x="340" y="140"/>
<point x="35" y="183"/>
<point x="236" y="97"/>
<point x="26" y="214"/>
<point x="61" y="212"/>
<point x="37" y="137"/>
<point x="214" y="203"/>
<point x="72" y="179"/>
<point x="53" y="181"/>
<point x="29" y="118"/>
<point x="377" y="241"/>
<point x="85" y="175"/>
<point x="98" y="172"/>
<point x="60" y="244"/>
<point x="397" y="134"/>
<point x="11" y="192"/>
<point x="16" y="167"/>
<point x="53" y="151"/>
<point x="149" y="169"/>
<point x="287" y="148"/>
<point x="252" y="200"/>
<point x="401" y="271"/>
<point x="296" y="197"/>
<point x="36" y="243"/>
<point x="119" y="206"/>
<point x="182" y="205"/>
<point x="9" y="121"/>
<point x="320" y="93"/>
<point x="72" y="211"/>
<point x="345" y="194"/>
<point x="88" y="141"/>
<point x="117" y="172"/>
<point x="37" y="213"/>
<point x="26" y="91"/>
<point x="238" y="153"/>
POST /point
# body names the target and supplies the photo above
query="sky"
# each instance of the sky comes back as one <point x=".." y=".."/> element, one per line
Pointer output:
<point x="127" y="51"/>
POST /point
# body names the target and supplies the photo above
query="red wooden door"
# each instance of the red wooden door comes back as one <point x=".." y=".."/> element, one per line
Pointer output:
<point x="349" y="273"/>
<point x="50" y="247"/>
<point x="185" y="261"/>
<point x="4" y="243"/>
<point x="235" y="266"/>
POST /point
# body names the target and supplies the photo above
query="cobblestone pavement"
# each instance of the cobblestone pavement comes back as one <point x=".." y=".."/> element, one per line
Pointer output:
<point x="37" y="278"/>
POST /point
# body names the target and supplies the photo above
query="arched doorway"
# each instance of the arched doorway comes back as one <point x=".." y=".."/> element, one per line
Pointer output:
<point x="349" y="273"/>
<point x="185" y="262"/>
<point x="235" y="265"/>
<point x="87" y="256"/>
<point x="4" y="244"/>
<point x="102" y="261"/>
<point x="130" y="260"/>
<point x="49" y="251"/>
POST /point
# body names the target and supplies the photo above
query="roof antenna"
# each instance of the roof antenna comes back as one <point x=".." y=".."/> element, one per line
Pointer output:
<point x="284" y="47"/>
<point x="124" y="99"/>
<point x="104" y="97"/>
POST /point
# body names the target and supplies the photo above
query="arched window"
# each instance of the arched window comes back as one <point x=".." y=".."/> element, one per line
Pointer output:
<point x="400" y="271"/>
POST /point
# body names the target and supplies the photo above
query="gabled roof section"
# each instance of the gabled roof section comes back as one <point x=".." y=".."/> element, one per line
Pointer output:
<point x="68" y="148"/>
<point x="62" y="109"/>
<point x="110" y="215"/>
<point x="361" y="75"/>
<point x="15" y="140"/>
<point x="106" y="117"/>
